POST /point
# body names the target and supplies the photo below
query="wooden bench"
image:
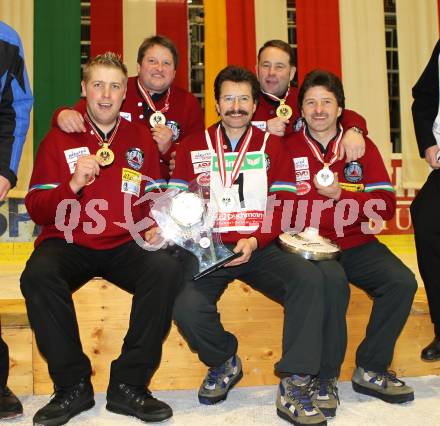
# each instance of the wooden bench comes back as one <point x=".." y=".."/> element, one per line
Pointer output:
<point x="103" y="312"/>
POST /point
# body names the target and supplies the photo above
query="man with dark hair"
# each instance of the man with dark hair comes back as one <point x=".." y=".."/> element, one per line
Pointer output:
<point x="426" y="205"/>
<point x="240" y="190"/>
<point x="170" y="112"/>
<point x="340" y="199"/>
<point x="277" y="110"/>
<point x="87" y="192"/>
<point x="15" y="106"/>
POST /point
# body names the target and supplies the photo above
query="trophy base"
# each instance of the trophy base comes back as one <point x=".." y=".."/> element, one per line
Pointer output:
<point x="216" y="266"/>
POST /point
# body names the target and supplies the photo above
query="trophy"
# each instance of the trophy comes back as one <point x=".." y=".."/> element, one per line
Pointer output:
<point x="187" y="218"/>
<point x="309" y="244"/>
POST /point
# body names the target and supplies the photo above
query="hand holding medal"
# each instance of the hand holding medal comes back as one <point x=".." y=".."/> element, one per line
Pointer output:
<point x="326" y="188"/>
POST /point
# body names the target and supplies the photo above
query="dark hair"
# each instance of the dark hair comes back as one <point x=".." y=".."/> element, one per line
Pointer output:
<point x="279" y="44"/>
<point x="161" y="41"/>
<point x="237" y="75"/>
<point x="322" y="78"/>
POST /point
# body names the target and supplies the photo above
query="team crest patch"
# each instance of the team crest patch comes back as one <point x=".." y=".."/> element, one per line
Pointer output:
<point x="353" y="172"/>
<point x="135" y="158"/>
<point x="175" y="128"/>
<point x="303" y="188"/>
<point x="204" y="179"/>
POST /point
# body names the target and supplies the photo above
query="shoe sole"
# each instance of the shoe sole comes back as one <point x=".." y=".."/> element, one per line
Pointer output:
<point x="329" y="413"/>
<point x="212" y="400"/>
<point x="286" y="417"/>
<point x="392" y="399"/>
<point x="122" y="409"/>
<point x="429" y="359"/>
<point x="63" y="420"/>
<point x="10" y="415"/>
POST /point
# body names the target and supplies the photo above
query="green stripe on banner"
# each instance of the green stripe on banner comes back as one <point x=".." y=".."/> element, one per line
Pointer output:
<point x="57" y="60"/>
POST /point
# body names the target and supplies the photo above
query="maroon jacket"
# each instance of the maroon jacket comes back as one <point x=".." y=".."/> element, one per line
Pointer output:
<point x="365" y="183"/>
<point x="49" y="186"/>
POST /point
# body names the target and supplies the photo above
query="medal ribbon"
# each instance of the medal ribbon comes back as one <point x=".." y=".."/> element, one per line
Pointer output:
<point x="147" y="98"/>
<point x="317" y="152"/>
<point x="97" y="132"/>
<point x="276" y="98"/>
<point x="238" y="161"/>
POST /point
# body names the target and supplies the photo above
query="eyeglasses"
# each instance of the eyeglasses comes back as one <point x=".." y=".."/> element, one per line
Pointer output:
<point x="230" y="99"/>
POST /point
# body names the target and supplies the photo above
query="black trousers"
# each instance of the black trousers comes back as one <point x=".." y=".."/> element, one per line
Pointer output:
<point x="4" y="361"/>
<point x="287" y="278"/>
<point x="56" y="269"/>
<point x="425" y="215"/>
<point x="375" y="269"/>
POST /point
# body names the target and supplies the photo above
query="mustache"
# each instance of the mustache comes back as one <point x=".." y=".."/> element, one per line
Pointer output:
<point x="319" y="115"/>
<point x="237" y="111"/>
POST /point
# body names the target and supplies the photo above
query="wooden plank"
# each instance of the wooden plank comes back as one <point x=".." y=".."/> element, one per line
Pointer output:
<point x="103" y="312"/>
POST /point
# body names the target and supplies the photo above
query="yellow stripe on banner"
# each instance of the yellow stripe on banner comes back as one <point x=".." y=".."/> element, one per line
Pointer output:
<point x="417" y="33"/>
<point x="139" y="22"/>
<point x="270" y="21"/>
<point x="364" y="67"/>
<point x="19" y="14"/>
<point x="216" y="56"/>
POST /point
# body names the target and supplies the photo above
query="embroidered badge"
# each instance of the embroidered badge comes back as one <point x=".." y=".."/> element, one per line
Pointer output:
<point x="135" y="158"/>
<point x="353" y="172"/>
<point x="175" y="128"/>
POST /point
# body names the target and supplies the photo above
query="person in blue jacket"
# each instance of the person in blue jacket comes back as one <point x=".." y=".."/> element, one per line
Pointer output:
<point x="15" y="106"/>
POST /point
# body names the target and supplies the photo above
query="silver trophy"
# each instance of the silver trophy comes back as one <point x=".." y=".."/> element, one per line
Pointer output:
<point x="187" y="218"/>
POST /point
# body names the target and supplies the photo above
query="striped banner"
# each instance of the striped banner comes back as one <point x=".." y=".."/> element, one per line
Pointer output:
<point x="318" y="36"/>
<point x="57" y="65"/>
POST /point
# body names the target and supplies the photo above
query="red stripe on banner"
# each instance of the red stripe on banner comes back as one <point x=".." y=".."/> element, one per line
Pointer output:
<point x="172" y="22"/>
<point x="317" y="29"/>
<point x="240" y="24"/>
<point x="106" y="26"/>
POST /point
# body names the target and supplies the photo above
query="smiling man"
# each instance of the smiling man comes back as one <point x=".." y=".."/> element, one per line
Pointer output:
<point x="277" y="110"/>
<point x="340" y="199"/>
<point x="247" y="160"/>
<point x="170" y="112"/>
<point x="91" y="178"/>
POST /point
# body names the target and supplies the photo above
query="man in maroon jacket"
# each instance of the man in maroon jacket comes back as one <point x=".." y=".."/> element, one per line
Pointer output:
<point x="277" y="109"/>
<point x="239" y="163"/>
<point x="340" y="199"/>
<point x="86" y="192"/>
<point x="170" y="112"/>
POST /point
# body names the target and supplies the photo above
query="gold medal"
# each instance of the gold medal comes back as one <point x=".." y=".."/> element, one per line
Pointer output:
<point x="157" y="118"/>
<point x="284" y="110"/>
<point x="105" y="155"/>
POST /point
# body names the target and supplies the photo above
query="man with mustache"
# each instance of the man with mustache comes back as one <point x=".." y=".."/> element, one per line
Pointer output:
<point x="170" y="112"/>
<point x="340" y="199"/>
<point x="238" y="162"/>
<point x="277" y="110"/>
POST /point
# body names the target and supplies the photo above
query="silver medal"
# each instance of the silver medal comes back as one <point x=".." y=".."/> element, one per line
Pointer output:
<point x="157" y="118"/>
<point x="325" y="176"/>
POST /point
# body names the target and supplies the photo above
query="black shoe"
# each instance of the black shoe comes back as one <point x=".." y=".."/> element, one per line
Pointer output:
<point x="66" y="403"/>
<point x="432" y="351"/>
<point x="136" y="401"/>
<point x="10" y="406"/>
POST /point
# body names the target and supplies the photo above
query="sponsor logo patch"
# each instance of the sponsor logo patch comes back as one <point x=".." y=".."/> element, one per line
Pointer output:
<point x="301" y="163"/>
<point x="303" y="188"/>
<point x="73" y="154"/>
